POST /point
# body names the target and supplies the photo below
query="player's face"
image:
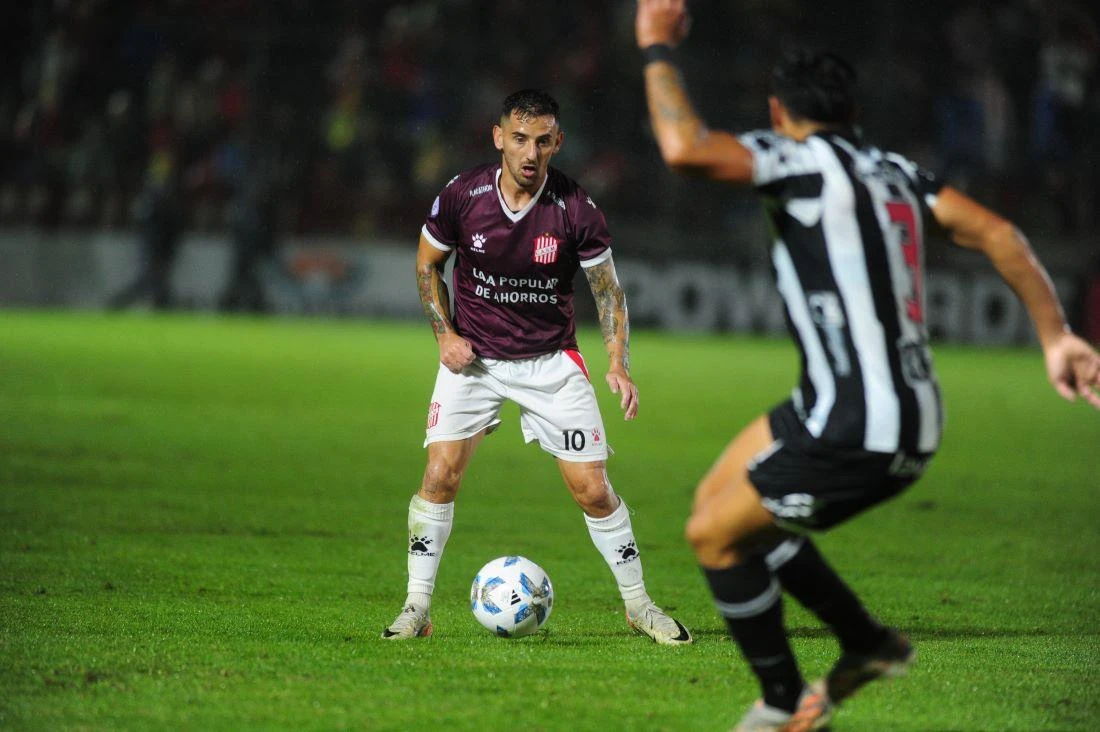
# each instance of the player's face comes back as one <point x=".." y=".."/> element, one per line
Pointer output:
<point x="526" y="144"/>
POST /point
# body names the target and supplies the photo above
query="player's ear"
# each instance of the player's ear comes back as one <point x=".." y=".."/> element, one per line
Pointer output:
<point x="559" y="141"/>
<point x="498" y="137"/>
<point x="777" y="113"/>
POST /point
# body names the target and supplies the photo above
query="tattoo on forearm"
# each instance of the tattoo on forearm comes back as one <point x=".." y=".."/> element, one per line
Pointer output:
<point x="670" y="99"/>
<point x="611" y="305"/>
<point x="434" y="297"/>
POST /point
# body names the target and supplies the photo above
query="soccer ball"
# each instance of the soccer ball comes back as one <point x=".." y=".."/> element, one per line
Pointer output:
<point x="512" y="597"/>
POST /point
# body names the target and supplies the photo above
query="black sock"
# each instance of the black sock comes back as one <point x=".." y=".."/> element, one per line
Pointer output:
<point x="750" y="600"/>
<point x="809" y="579"/>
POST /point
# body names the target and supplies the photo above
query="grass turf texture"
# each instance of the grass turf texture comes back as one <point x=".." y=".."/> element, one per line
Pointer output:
<point x="203" y="526"/>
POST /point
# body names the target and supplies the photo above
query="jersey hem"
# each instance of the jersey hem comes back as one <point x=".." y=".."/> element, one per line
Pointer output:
<point x="464" y="435"/>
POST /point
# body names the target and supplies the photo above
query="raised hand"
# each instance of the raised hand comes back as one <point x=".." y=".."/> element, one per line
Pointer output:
<point x="661" y="21"/>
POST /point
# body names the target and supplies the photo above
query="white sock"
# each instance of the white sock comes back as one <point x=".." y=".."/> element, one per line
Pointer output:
<point x="614" y="538"/>
<point x="429" y="527"/>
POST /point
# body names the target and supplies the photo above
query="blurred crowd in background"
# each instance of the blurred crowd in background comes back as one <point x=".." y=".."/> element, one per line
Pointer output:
<point x="341" y="117"/>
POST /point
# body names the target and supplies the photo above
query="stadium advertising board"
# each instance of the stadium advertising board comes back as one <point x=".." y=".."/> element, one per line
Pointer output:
<point x="336" y="277"/>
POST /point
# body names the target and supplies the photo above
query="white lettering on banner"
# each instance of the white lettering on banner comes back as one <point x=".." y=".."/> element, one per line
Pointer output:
<point x="77" y="270"/>
<point x="696" y="297"/>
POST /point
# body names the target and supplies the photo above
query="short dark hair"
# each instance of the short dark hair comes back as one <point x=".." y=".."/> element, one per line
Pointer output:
<point x="529" y="102"/>
<point x="816" y="86"/>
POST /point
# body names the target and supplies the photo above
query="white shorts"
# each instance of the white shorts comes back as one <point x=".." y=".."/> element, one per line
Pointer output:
<point x="556" y="400"/>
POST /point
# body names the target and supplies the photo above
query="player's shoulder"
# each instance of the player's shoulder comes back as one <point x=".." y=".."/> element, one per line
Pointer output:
<point x="768" y="141"/>
<point x="777" y="157"/>
<point x="561" y="187"/>
<point x="473" y="181"/>
<point x="921" y="178"/>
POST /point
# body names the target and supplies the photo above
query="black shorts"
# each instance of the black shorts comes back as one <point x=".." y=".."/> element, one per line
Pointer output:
<point x="807" y="484"/>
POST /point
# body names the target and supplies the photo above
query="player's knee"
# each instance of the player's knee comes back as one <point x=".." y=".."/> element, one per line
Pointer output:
<point x="595" y="497"/>
<point x="699" y="533"/>
<point x="441" y="480"/>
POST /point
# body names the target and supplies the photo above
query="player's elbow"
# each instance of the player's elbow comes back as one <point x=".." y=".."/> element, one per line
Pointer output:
<point x="677" y="155"/>
<point x="1001" y="236"/>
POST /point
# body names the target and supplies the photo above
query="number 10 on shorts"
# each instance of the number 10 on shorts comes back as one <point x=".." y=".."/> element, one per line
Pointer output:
<point x="573" y="440"/>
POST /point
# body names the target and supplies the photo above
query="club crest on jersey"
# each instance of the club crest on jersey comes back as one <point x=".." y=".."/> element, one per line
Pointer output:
<point x="433" y="414"/>
<point x="546" y="248"/>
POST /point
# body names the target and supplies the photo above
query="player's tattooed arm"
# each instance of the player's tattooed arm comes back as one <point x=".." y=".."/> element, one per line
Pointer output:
<point x="434" y="296"/>
<point x="669" y="102"/>
<point x="455" y="352"/>
<point x="432" y="287"/>
<point x="611" y="306"/>
<point x="686" y="144"/>
<point x="615" y="324"/>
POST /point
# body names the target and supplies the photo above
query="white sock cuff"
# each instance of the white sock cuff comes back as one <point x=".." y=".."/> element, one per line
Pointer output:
<point x="615" y="521"/>
<point x="437" y="511"/>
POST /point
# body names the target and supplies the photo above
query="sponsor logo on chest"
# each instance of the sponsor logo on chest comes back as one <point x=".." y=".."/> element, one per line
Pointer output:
<point x="546" y="248"/>
<point x="477" y="243"/>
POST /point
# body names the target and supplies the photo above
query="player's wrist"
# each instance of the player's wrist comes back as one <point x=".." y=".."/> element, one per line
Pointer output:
<point x="660" y="51"/>
<point x="1054" y="335"/>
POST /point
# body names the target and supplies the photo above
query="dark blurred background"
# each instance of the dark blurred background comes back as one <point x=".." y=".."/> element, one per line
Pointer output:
<point x="261" y="123"/>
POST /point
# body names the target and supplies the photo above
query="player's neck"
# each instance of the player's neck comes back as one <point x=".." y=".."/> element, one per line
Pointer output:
<point x="515" y="196"/>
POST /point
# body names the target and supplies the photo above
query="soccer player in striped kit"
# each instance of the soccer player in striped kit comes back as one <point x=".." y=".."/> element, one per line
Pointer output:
<point x="848" y="226"/>
<point x="521" y="229"/>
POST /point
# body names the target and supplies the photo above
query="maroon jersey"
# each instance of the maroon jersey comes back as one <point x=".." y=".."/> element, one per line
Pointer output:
<point x="513" y="274"/>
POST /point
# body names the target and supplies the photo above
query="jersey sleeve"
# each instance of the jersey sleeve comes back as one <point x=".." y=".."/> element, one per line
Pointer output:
<point x="590" y="229"/>
<point x="776" y="158"/>
<point x="440" y="228"/>
<point x="926" y="184"/>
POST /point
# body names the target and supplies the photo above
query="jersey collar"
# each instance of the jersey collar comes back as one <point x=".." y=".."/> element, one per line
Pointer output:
<point x="516" y="216"/>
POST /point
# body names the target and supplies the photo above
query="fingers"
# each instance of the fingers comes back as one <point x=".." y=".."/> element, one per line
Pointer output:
<point x="1064" y="390"/>
<point x="631" y="405"/>
<point x="628" y="394"/>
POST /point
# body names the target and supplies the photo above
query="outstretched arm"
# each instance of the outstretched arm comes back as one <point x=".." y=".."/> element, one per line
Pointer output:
<point x="686" y="144"/>
<point x="1073" y="366"/>
<point x="615" y="325"/>
<point x="455" y="351"/>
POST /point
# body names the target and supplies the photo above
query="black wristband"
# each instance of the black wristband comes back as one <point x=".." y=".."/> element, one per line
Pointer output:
<point x="660" y="52"/>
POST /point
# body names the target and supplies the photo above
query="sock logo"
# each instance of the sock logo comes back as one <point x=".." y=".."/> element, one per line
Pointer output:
<point x="628" y="552"/>
<point x="418" y="545"/>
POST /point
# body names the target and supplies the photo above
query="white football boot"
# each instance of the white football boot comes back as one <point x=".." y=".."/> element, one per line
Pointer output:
<point x="652" y="621"/>
<point x="412" y="622"/>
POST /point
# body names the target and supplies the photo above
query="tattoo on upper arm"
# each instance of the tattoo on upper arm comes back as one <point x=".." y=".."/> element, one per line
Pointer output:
<point x="611" y="305"/>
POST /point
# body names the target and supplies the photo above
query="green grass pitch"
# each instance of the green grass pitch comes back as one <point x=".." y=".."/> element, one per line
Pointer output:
<point x="203" y="527"/>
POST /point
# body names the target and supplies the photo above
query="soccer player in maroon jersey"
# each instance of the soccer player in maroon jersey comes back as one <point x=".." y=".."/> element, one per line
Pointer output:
<point x="847" y="221"/>
<point x="521" y="229"/>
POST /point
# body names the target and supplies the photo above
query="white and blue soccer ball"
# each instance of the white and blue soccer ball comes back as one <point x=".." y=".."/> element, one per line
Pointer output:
<point x="512" y="597"/>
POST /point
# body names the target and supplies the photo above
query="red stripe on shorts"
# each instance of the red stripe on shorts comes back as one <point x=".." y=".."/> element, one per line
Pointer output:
<point x="579" y="360"/>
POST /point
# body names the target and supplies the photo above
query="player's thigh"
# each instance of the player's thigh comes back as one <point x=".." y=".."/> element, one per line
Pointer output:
<point x="463" y="404"/>
<point x="558" y="409"/>
<point x="728" y="513"/>
<point x="734" y="460"/>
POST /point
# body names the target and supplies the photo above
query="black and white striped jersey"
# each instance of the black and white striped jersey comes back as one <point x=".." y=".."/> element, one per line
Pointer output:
<point x="848" y="253"/>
